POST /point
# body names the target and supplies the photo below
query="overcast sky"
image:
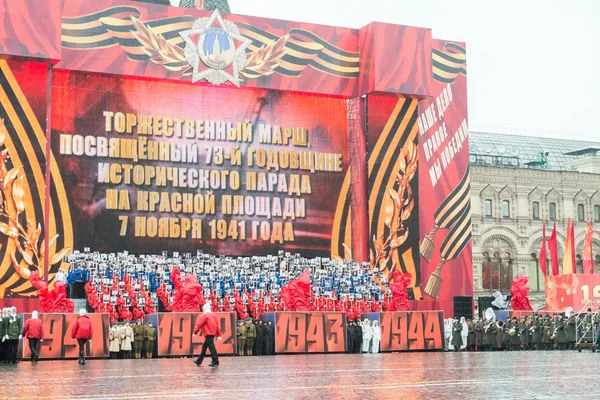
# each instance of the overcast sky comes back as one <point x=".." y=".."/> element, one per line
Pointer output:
<point x="533" y="65"/>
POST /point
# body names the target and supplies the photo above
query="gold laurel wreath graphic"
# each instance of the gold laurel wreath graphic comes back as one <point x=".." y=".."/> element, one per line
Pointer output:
<point x="266" y="59"/>
<point x="398" y="208"/>
<point x="12" y="204"/>
<point x="261" y="62"/>
<point x="160" y="51"/>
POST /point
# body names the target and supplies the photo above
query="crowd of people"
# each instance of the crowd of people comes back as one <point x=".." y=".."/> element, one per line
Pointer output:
<point x="364" y="336"/>
<point x="255" y="338"/>
<point x="127" y="341"/>
<point x="128" y="287"/>
<point x="539" y="332"/>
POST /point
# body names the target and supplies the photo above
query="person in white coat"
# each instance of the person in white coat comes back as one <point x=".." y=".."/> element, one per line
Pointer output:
<point x="464" y="333"/>
<point x="367" y="335"/>
<point x="126" y="340"/>
<point x="114" y="341"/>
<point x="448" y="334"/>
<point x="376" y="337"/>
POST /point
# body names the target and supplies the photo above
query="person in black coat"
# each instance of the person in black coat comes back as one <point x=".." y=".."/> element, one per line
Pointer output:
<point x="258" y="343"/>
<point x="358" y="337"/>
<point x="351" y="337"/>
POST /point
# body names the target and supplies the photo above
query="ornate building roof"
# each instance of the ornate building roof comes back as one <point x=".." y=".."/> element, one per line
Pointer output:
<point x="515" y="151"/>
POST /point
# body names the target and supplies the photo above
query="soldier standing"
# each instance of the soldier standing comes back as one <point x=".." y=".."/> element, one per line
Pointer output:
<point x="479" y="334"/>
<point x="489" y="332"/>
<point x="546" y="333"/>
<point x="506" y="338"/>
<point x="351" y="337"/>
<point x="3" y="343"/>
<point x="149" y="338"/>
<point x="127" y="336"/>
<point x="13" y="327"/>
<point x="114" y="341"/>
<point x="471" y="335"/>
<point x="457" y="334"/>
<point x="561" y="333"/>
<point x="536" y="330"/>
<point x="358" y="337"/>
<point x="139" y="332"/>
<point x="524" y="333"/>
<point x="250" y="336"/>
<point x="571" y="331"/>
<point x="241" y="337"/>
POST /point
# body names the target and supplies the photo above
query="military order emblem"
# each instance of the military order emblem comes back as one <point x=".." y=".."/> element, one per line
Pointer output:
<point x="212" y="52"/>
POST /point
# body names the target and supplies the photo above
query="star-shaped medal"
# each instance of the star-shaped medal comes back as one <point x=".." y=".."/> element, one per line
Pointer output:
<point x="214" y="50"/>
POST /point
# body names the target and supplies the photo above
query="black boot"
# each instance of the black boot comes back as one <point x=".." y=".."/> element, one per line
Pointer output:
<point x="197" y="361"/>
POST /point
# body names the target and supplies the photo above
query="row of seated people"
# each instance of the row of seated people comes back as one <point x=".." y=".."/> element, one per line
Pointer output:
<point x="128" y="287"/>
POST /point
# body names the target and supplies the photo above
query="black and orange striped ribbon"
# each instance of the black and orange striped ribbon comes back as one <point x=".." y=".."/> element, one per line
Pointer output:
<point x="449" y="63"/>
<point x="26" y="144"/>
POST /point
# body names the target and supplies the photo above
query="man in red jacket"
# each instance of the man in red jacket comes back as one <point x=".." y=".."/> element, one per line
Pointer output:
<point x="209" y="324"/>
<point x="82" y="331"/>
<point x="34" y="331"/>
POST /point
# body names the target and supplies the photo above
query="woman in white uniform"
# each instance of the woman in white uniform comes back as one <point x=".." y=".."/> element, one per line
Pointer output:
<point x="376" y="337"/>
<point x="367" y="335"/>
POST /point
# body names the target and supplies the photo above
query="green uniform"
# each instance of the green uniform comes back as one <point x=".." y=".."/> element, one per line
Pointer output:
<point x="456" y="335"/>
<point x="561" y="333"/>
<point x="13" y="329"/>
<point x="524" y="334"/>
<point x="547" y="331"/>
<point x="536" y="334"/>
<point x="250" y="338"/>
<point x="490" y="334"/>
<point x="139" y="332"/>
<point x="149" y="338"/>
<point x="241" y="331"/>
<point x="506" y="338"/>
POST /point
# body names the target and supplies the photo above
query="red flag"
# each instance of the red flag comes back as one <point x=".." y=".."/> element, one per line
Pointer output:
<point x="553" y="251"/>
<point x="572" y="237"/>
<point x="588" y="263"/>
<point x="568" y="261"/>
<point x="543" y="260"/>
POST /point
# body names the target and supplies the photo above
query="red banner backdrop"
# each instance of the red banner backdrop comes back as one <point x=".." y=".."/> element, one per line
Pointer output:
<point x="445" y="216"/>
<point x="572" y="290"/>
<point x="58" y="342"/>
<point x="175" y="334"/>
<point x="315" y="332"/>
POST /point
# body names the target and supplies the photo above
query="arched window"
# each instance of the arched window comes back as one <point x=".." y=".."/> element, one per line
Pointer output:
<point x="487" y="205"/>
<point x="497" y="273"/>
<point x="552" y="211"/>
<point x="535" y="210"/>
<point x="536" y="276"/>
<point x="505" y="209"/>
<point x="596" y="213"/>
<point x="578" y="264"/>
<point x="580" y="212"/>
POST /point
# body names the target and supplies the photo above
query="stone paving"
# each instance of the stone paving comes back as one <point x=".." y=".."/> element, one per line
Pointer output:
<point x="507" y="375"/>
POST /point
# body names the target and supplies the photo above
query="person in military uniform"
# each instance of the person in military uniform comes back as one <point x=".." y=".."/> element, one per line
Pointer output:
<point x="457" y="334"/>
<point x="350" y="337"/>
<point x="149" y="338"/>
<point x="139" y="333"/>
<point x="489" y="332"/>
<point x="515" y="340"/>
<point x="258" y="342"/>
<point x="271" y="330"/>
<point x="547" y="331"/>
<point x="358" y="337"/>
<point x="250" y="336"/>
<point x="240" y="332"/>
<point x="524" y="333"/>
<point x="506" y="338"/>
<point x="536" y="330"/>
<point x="13" y="327"/>
<point x="499" y="335"/>
<point x="561" y="333"/>
<point x="471" y="335"/>
<point x="479" y="335"/>
<point x="571" y="331"/>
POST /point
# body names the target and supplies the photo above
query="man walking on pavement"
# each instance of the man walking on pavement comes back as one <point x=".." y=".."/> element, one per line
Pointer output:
<point x="209" y="324"/>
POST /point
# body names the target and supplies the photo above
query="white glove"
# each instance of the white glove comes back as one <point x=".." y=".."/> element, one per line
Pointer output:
<point x="3" y="339"/>
<point x="6" y="337"/>
<point x="20" y="336"/>
<point x="219" y="338"/>
<point x="41" y="340"/>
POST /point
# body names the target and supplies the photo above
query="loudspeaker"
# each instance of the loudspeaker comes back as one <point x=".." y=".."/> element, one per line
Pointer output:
<point x="463" y="306"/>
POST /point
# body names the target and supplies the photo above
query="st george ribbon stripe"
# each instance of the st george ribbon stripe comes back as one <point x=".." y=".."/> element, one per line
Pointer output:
<point x="449" y="63"/>
<point x="448" y="213"/>
<point x="458" y="237"/>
